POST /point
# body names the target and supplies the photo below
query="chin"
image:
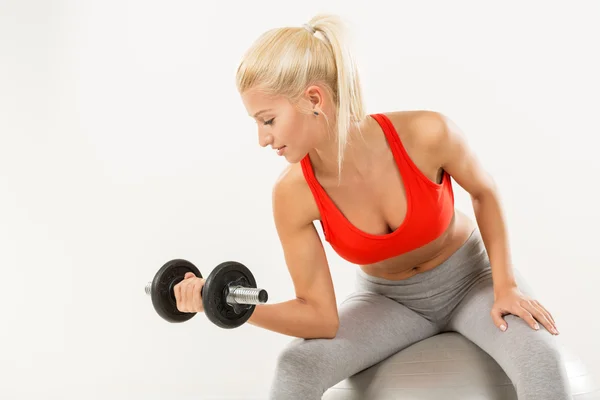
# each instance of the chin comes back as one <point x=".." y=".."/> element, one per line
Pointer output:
<point x="292" y="159"/>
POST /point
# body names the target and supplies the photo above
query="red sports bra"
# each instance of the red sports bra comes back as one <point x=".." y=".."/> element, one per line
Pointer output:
<point x="430" y="208"/>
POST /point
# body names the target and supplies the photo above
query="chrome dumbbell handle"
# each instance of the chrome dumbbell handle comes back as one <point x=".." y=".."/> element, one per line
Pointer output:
<point x="245" y="295"/>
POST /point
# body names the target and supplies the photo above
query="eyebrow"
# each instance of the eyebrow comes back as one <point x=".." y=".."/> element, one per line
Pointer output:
<point x="261" y="111"/>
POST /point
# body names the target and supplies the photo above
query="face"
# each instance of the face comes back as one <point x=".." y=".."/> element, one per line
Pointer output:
<point x="284" y="126"/>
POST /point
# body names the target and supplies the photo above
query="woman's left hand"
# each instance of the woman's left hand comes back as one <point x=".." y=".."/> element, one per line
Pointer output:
<point x="513" y="301"/>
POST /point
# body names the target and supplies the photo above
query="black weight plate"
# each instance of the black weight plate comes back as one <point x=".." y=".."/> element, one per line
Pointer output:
<point x="214" y="294"/>
<point x="163" y="297"/>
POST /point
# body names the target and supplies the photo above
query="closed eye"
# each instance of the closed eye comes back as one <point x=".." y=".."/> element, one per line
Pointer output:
<point x="269" y="122"/>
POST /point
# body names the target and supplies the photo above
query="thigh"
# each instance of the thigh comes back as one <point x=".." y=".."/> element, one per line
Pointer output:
<point x="530" y="358"/>
<point x="372" y="328"/>
<point x="471" y="317"/>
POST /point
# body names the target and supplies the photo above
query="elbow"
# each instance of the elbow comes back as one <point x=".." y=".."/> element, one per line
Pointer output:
<point x="322" y="331"/>
<point x="331" y="329"/>
<point x="326" y="328"/>
<point x="332" y="332"/>
<point x="325" y="323"/>
<point x="327" y="332"/>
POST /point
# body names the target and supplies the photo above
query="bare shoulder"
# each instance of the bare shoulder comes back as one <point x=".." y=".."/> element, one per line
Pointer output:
<point x="292" y="199"/>
<point x="423" y="133"/>
<point x="420" y="129"/>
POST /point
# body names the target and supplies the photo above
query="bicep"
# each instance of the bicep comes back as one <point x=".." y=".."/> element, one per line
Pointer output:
<point x="304" y="254"/>
<point x="307" y="264"/>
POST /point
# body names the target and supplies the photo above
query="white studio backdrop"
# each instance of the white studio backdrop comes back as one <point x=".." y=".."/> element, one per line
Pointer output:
<point x="124" y="144"/>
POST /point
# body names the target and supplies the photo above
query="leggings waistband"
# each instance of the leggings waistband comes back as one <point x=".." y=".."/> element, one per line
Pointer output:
<point x="469" y="254"/>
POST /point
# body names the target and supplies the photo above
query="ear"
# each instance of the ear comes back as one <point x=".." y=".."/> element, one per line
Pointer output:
<point x="316" y="96"/>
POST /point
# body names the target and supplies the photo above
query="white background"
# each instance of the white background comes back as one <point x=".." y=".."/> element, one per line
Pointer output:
<point x="124" y="144"/>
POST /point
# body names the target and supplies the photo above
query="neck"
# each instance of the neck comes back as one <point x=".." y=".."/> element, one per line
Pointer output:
<point x="357" y="155"/>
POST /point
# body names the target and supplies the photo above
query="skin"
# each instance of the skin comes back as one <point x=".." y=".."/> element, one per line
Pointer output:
<point x="371" y="196"/>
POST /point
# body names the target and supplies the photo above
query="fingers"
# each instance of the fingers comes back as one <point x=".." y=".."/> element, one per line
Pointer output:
<point x="177" y="293"/>
<point x="197" y="297"/>
<point x="537" y="303"/>
<point x="542" y="316"/>
<point x="529" y="311"/>
<point x="187" y="294"/>
<point x="181" y="295"/>
<point x="522" y="312"/>
<point x="498" y="320"/>
<point x="189" y="275"/>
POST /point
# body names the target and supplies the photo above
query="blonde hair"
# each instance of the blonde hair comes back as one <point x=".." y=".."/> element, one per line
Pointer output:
<point x="285" y="61"/>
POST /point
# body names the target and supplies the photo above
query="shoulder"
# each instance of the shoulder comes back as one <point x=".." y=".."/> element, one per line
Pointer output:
<point x="426" y="136"/>
<point x="424" y="129"/>
<point x="292" y="199"/>
<point x="289" y="183"/>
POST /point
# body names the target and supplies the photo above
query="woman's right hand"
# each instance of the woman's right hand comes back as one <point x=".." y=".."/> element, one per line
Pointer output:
<point x="187" y="293"/>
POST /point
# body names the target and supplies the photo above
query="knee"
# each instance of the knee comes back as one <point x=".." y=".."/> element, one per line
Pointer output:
<point x="544" y="356"/>
<point x="302" y="359"/>
<point x="539" y="365"/>
<point x="300" y="371"/>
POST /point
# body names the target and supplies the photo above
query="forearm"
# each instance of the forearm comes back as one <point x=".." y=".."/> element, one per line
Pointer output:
<point x="491" y="222"/>
<point x="293" y="318"/>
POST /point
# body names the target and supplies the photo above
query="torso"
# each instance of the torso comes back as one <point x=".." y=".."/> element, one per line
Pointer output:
<point x="377" y="203"/>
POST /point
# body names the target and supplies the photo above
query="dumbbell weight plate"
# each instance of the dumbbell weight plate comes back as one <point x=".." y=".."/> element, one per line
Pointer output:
<point x="214" y="294"/>
<point x="163" y="296"/>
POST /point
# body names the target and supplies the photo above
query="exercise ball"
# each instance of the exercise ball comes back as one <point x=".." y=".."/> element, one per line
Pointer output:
<point x="446" y="366"/>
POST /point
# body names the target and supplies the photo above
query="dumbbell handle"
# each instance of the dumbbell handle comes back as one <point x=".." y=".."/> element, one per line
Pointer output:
<point x="246" y="295"/>
<point x="237" y="295"/>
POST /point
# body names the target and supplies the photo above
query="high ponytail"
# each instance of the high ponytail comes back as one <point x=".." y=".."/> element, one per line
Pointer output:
<point x="285" y="61"/>
<point x="349" y="105"/>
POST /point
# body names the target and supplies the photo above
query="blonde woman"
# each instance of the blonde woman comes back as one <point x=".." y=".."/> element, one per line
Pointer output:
<point x="380" y="185"/>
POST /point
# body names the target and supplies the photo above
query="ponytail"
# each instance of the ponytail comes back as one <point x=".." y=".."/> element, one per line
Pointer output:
<point x="349" y="106"/>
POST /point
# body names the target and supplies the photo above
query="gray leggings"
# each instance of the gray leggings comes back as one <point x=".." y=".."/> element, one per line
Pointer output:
<point x="382" y="317"/>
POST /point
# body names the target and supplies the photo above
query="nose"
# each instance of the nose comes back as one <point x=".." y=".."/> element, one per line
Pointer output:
<point x="265" y="139"/>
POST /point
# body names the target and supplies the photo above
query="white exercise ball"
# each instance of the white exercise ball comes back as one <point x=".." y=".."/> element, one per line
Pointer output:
<point x="447" y="366"/>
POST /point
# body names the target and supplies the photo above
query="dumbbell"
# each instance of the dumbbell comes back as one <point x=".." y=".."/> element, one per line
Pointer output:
<point x="229" y="294"/>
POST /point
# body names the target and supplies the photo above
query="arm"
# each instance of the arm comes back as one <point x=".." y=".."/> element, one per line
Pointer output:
<point x="313" y="313"/>
<point x="447" y="145"/>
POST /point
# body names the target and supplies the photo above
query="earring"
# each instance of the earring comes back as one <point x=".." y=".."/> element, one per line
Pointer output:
<point x="316" y="113"/>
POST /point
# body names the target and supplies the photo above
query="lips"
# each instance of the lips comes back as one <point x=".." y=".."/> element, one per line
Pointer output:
<point x="280" y="150"/>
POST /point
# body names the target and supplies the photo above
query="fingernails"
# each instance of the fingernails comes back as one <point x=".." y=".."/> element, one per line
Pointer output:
<point x="502" y="328"/>
<point x="536" y="327"/>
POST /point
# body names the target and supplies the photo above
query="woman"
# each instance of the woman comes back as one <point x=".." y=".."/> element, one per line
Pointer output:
<point x="380" y="185"/>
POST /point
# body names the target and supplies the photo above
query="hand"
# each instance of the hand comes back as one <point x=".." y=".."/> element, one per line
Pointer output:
<point x="187" y="293"/>
<point x="512" y="301"/>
